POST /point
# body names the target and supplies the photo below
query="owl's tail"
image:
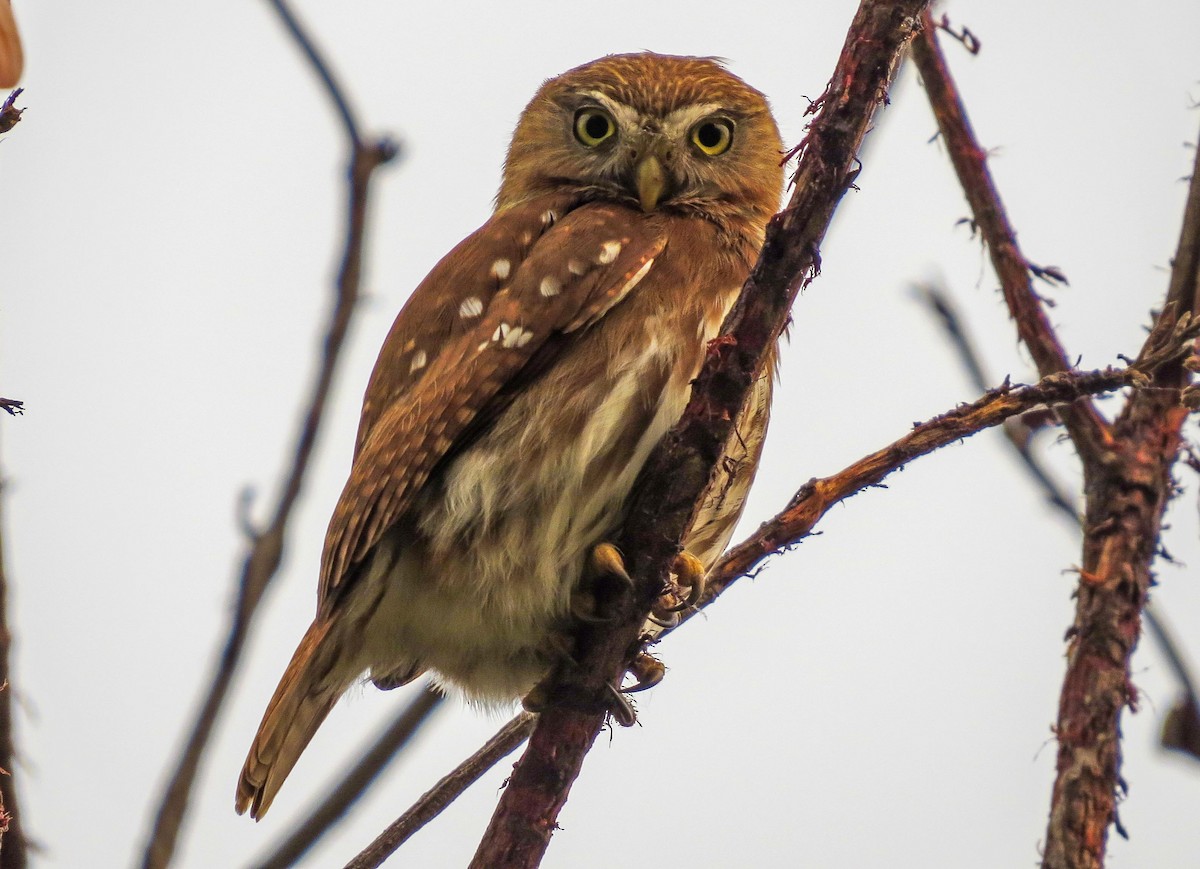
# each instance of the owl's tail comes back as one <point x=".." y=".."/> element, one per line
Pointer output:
<point x="314" y="680"/>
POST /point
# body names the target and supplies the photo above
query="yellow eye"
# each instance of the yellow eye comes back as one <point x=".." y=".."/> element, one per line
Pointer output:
<point x="593" y="126"/>
<point x="713" y="136"/>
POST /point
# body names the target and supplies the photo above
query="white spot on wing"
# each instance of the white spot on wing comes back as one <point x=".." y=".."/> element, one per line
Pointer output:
<point x="471" y="306"/>
<point x="608" y="252"/>
<point x="577" y="267"/>
<point x="548" y="217"/>
<point x="550" y="286"/>
<point x="507" y="335"/>
<point x="500" y="269"/>
<point x="418" y="361"/>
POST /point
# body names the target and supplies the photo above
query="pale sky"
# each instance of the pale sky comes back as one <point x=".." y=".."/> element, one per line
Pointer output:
<point x="170" y="213"/>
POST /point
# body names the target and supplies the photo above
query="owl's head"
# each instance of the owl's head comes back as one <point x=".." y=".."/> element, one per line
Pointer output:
<point x="654" y="131"/>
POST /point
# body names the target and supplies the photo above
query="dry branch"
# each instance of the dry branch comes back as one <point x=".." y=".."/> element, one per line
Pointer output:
<point x="266" y="550"/>
<point x="1127" y="478"/>
<point x="1084" y="423"/>
<point x="676" y="475"/>
<point x="446" y="791"/>
<point x="1130" y="486"/>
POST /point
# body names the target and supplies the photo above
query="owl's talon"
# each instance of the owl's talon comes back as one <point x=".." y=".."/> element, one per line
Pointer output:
<point x="621" y="708"/>
<point x="686" y="586"/>
<point x="607" y="561"/>
<point x="662" y="618"/>
<point x="583" y="609"/>
<point x="647" y="672"/>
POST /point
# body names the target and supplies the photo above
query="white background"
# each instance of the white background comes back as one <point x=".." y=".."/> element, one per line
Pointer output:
<point x="170" y="213"/>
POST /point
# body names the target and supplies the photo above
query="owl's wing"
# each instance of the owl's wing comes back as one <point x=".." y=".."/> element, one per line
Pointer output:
<point x="532" y="272"/>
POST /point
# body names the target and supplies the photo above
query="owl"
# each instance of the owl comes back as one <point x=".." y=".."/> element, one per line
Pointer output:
<point x="523" y="386"/>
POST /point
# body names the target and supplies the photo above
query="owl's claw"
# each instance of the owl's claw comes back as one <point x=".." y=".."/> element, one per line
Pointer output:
<point x="607" y="561"/>
<point x="684" y="591"/>
<point x="647" y="672"/>
<point x="620" y="708"/>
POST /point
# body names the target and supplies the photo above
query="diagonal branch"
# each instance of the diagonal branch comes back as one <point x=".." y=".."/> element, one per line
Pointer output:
<point x="677" y="473"/>
<point x="446" y="791"/>
<point x="1087" y="428"/>
<point x="262" y="561"/>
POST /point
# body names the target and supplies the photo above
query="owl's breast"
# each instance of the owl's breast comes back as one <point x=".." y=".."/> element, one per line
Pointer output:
<point x="499" y="538"/>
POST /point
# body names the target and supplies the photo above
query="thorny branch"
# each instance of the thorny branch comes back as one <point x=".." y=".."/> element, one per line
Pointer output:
<point x="1084" y="423"/>
<point x="266" y="549"/>
<point x="1127" y="474"/>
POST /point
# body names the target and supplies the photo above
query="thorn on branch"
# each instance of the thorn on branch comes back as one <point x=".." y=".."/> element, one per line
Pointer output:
<point x="965" y="37"/>
<point x="1050" y="274"/>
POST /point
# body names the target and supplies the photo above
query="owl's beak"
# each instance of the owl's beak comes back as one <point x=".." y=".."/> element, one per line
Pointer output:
<point x="651" y="181"/>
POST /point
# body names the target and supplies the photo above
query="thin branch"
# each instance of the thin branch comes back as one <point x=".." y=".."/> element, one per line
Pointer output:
<point x="333" y="88"/>
<point x="12" y="406"/>
<point x="676" y="475"/>
<point x="266" y="551"/>
<point x="507" y="740"/>
<point x="352" y="786"/>
<point x="819" y="495"/>
<point x="1087" y="428"/>
<point x="14" y="854"/>
<point x="1128" y="493"/>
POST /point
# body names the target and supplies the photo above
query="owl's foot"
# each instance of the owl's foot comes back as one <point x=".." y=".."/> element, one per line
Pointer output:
<point x="607" y="579"/>
<point x="683" y="591"/>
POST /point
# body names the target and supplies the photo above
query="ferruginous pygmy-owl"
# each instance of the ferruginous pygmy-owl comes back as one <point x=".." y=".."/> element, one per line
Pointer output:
<point x="523" y="386"/>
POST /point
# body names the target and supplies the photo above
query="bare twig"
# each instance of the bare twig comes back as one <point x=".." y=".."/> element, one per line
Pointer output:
<point x="14" y="854"/>
<point x="1083" y="421"/>
<point x="352" y="786"/>
<point x="12" y="406"/>
<point x="676" y="475"/>
<point x="263" y="559"/>
<point x="429" y="806"/>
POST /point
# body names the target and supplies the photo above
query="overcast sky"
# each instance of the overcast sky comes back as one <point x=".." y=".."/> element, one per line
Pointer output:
<point x="170" y="211"/>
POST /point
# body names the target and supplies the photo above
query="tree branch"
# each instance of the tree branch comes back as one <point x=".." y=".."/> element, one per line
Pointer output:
<point x="1087" y="428"/>
<point x="446" y="791"/>
<point x="677" y="473"/>
<point x="1129" y="490"/>
<point x="262" y="561"/>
